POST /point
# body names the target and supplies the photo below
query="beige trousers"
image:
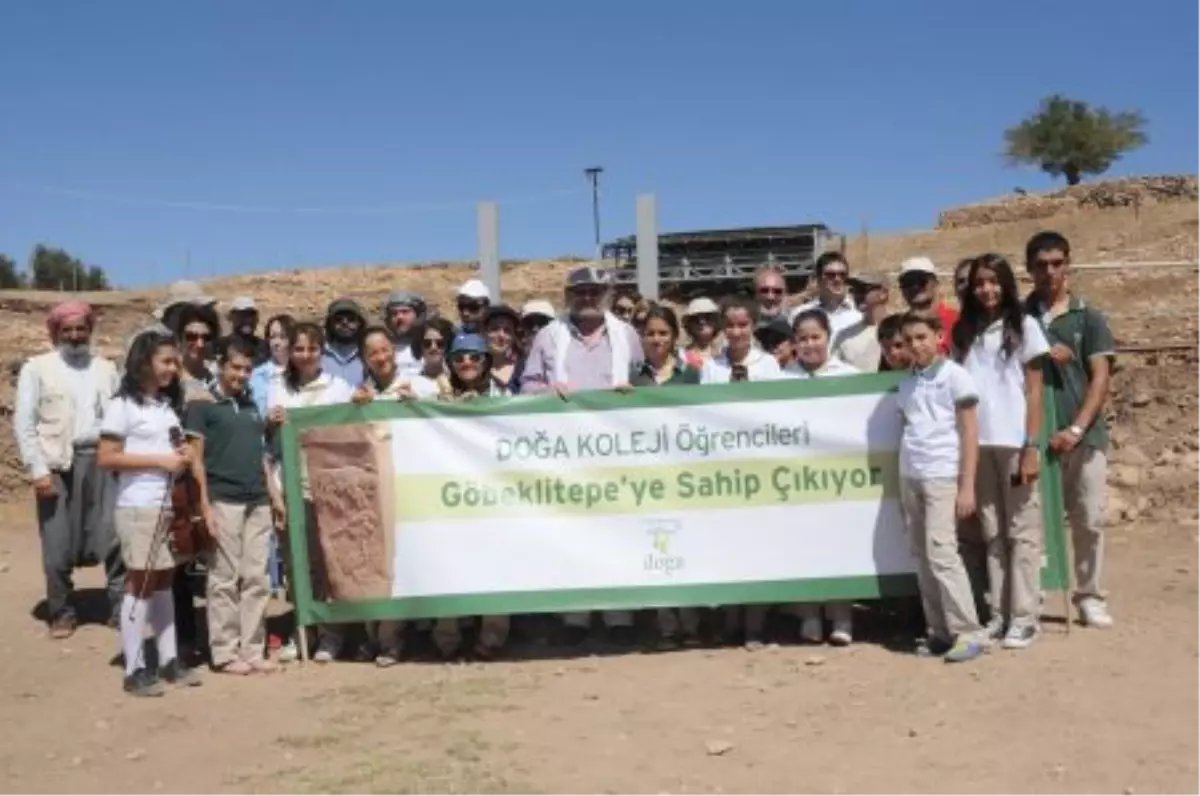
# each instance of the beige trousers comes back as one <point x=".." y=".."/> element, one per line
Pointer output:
<point x="930" y="520"/>
<point x="238" y="584"/>
<point x="1010" y="516"/>
<point x="1085" y="475"/>
<point x="447" y="632"/>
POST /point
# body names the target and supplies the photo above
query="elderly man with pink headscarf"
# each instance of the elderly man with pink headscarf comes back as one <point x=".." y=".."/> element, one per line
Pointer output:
<point x="61" y="398"/>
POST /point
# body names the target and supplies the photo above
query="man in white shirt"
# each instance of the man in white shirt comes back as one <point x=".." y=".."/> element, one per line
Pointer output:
<point x="61" y="397"/>
<point x="858" y="344"/>
<point x="832" y="273"/>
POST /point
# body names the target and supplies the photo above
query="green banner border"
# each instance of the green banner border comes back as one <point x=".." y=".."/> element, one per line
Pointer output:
<point x="1055" y="576"/>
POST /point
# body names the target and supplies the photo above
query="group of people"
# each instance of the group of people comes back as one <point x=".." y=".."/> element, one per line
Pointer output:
<point x="105" y="446"/>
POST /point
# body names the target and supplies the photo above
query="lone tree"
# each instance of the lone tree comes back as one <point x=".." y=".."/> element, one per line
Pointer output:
<point x="1070" y="139"/>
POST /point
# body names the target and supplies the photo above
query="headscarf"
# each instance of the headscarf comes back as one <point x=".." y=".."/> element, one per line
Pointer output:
<point x="67" y="311"/>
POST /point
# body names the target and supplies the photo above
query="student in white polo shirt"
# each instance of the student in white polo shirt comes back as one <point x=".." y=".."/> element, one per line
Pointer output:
<point x="740" y="360"/>
<point x="939" y="453"/>
<point x="1003" y="349"/>
<point x="811" y="332"/>
<point x="832" y="272"/>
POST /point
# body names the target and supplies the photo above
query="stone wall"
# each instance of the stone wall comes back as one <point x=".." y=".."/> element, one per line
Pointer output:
<point x="1136" y="192"/>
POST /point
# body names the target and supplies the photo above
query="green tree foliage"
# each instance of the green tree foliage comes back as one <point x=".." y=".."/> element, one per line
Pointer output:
<point x="1067" y="138"/>
<point x="10" y="277"/>
<point x="54" y="269"/>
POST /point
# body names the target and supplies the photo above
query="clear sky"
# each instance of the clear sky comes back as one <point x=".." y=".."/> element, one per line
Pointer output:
<point x="253" y="136"/>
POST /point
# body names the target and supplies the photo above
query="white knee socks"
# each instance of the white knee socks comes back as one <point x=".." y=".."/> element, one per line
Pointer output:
<point x="133" y="627"/>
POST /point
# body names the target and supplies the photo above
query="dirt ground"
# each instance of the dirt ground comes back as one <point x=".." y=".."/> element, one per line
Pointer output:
<point x="1091" y="711"/>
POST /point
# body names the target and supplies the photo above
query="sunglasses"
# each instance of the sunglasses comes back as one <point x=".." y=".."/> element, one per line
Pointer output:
<point x="197" y="337"/>
<point x="433" y="343"/>
<point x="704" y="320"/>
<point x="345" y="320"/>
<point x="469" y="357"/>
<point x="835" y="276"/>
<point x="770" y="291"/>
<point x="588" y="292"/>
<point x="471" y="306"/>
<point x="910" y="281"/>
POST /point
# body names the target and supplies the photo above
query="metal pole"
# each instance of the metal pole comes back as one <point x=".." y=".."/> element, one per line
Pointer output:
<point x="489" y="247"/>
<point x="593" y="174"/>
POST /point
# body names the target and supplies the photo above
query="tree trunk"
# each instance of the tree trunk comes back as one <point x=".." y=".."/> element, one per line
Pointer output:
<point x="1072" y="173"/>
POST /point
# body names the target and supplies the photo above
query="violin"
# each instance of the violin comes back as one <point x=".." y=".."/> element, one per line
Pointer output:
<point x="188" y="533"/>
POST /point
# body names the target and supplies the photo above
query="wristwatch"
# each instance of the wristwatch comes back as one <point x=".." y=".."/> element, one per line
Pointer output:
<point x="1076" y="431"/>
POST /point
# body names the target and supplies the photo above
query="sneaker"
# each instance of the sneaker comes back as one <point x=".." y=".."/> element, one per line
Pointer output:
<point x="933" y="647"/>
<point x="63" y="626"/>
<point x="386" y="658"/>
<point x="328" y="648"/>
<point x="288" y="652"/>
<point x="842" y="634"/>
<point x="143" y="684"/>
<point x="175" y="673"/>
<point x="964" y="650"/>
<point x="1093" y="612"/>
<point x="1021" y="634"/>
<point x="812" y="630"/>
<point x="994" y="629"/>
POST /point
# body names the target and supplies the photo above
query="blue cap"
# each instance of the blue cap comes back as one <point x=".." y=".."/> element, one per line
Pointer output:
<point x="468" y="343"/>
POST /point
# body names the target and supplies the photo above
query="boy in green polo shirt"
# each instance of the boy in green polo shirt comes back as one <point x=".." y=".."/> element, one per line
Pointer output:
<point x="1082" y="352"/>
<point x="229" y="429"/>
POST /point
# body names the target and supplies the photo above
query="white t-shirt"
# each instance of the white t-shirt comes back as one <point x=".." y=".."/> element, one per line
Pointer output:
<point x="144" y="429"/>
<point x="760" y="366"/>
<point x="929" y="401"/>
<point x="324" y="390"/>
<point x="1001" y="382"/>
<point x="832" y="367"/>
<point x="842" y="317"/>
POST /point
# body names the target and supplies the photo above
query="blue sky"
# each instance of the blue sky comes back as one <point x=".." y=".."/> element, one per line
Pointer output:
<point x="139" y="134"/>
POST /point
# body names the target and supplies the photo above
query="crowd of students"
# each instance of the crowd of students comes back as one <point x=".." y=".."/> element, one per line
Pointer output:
<point x="104" y="446"/>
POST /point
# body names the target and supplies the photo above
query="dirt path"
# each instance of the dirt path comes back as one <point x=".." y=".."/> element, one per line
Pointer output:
<point x="1098" y="712"/>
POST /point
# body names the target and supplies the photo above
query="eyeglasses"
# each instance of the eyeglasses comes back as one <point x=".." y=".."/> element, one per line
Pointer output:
<point x="433" y="343"/>
<point x="471" y="306"/>
<point x="197" y="337"/>
<point x="468" y="357"/>
<point x="770" y="291"/>
<point x="835" y="276"/>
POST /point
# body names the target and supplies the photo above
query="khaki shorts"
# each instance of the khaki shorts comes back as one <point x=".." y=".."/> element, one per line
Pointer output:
<point x="135" y="528"/>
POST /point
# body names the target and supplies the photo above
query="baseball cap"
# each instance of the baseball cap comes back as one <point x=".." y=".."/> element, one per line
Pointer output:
<point x="242" y="304"/>
<point x="702" y="306"/>
<point x="918" y="265"/>
<point x="474" y="289"/>
<point x="773" y="330"/>
<point x="468" y="343"/>
<point x="586" y="276"/>
<point x="405" y="298"/>
<point x="538" y="307"/>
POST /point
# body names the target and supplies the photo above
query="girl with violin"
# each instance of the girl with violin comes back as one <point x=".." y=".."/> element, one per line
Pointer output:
<point x="141" y="441"/>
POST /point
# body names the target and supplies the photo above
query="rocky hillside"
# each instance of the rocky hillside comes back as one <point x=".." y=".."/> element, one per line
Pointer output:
<point x="1147" y="307"/>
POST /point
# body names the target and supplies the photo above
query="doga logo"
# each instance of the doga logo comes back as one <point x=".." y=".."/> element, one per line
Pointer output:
<point x="661" y="559"/>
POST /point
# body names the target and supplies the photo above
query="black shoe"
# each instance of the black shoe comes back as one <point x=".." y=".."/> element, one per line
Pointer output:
<point x="175" y="673"/>
<point x="142" y="684"/>
<point x="622" y="636"/>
